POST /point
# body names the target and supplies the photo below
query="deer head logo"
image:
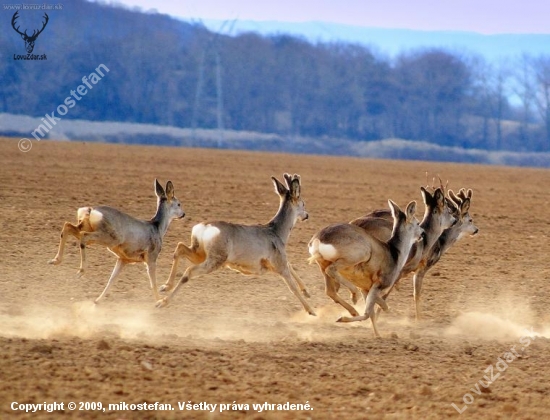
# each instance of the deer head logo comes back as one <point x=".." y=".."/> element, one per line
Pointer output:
<point x="29" y="40"/>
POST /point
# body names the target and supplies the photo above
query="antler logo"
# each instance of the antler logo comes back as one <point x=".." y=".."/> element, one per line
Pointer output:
<point x="29" y="40"/>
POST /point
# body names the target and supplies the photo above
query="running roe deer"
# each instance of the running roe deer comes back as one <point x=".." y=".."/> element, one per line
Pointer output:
<point x="345" y="251"/>
<point x="438" y="216"/>
<point x="379" y="223"/>
<point x="130" y="239"/>
<point x="464" y="226"/>
<point x="249" y="249"/>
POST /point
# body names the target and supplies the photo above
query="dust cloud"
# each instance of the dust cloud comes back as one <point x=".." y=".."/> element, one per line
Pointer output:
<point x="80" y="319"/>
<point x="505" y="317"/>
<point x="87" y="320"/>
<point x="501" y="317"/>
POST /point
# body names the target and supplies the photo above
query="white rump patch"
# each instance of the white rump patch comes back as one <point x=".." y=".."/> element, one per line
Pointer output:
<point x="95" y="217"/>
<point x="205" y="233"/>
<point x="198" y="230"/>
<point x="313" y="247"/>
<point x="328" y="251"/>
<point x="83" y="213"/>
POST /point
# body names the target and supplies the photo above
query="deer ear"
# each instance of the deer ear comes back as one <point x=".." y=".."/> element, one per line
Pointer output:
<point x="411" y="210"/>
<point x="454" y="198"/>
<point x="439" y="198"/>
<point x="452" y="205"/>
<point x="426" y="196"/>
<point x="295" y="187"/>
<point x="395" y="210"/>
<point x="465" y="207"/>
<point x="159" y="191"/>
<point x="279" y="188"/>
<point x="288" y="180"/>
<point x="169" y="190"/>
<point x="470" y="193"/>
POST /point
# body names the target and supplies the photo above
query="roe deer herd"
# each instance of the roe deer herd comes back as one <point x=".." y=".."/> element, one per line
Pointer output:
<point x="368" y="256"/>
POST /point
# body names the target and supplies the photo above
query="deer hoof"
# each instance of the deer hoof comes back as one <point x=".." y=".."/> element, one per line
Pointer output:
<point x="163" y="288"/>
<point x="54" y="261"/>
<point x="79" y="273"/>
<point x="306" y="293"/>
<point x="161" y="303"/>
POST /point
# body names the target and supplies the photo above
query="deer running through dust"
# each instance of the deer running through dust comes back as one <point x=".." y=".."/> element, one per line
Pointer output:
<point x="130" y="239"/>
<point x="347" y="253"/>
<point x="439" y="214"/>
<point x="248" y="249"/>
<point x="463" y="227"/>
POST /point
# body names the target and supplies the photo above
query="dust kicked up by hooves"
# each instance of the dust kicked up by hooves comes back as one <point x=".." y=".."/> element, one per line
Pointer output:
<point x="87" y="320"/>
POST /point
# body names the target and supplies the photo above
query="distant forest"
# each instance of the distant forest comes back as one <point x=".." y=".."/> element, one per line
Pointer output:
<point x="167" y="72"/>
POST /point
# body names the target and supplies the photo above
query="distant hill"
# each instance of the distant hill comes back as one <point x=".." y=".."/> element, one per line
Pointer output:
<point x="160" y="71"/>
<point x="18" y="126"/>
<point x="394" y="41"/>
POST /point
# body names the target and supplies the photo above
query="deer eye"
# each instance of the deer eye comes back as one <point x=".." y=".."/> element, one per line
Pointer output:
<point x="179" y="205"/>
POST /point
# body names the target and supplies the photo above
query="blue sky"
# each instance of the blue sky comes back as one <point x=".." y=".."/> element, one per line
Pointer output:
<point x="482" y="16"/>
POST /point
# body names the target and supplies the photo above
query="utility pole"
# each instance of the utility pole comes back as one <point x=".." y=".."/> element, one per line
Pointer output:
<point x="211" y="44"/>
<point x="219" y="99"/>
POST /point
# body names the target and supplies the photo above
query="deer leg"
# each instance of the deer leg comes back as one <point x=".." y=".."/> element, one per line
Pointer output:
<point x="382" y="304"/>
<point x="206" y="267"/>
<point x="116" y="271"/>
<point x="381" y="301"/>
<point x="298" y="281"/>
<point x="352" y="318"/>
<point x="291" y="284"/>
<point x="373" y="298"/>
<point x="152" y="273"/>
<point x="332" y="284"/>
<point x="417" y="283"/>
<point x="68" y="229"/>
<point x="104" y="238"/>
<point x="353" y="290"/>
<point x="181" y="251"/>
<point x="175" y="261"/>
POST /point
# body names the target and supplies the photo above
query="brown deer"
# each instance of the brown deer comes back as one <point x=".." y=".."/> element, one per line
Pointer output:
<point x="249" y="249"/>
<point x="438" y="216"/>
<point x="346" y="252"/>
<point x="464" y="226"/>
<point x="130" y="239"/>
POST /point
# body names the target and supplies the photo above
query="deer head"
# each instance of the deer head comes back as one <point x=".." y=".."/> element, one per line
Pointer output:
<point x="29" y="40"/>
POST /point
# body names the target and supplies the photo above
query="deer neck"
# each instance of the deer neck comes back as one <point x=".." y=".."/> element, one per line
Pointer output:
<point x="160" y="220"/>
<point x="283" y="222"/>
<point x="431" y="229"/>
<point x="449" y="237"/>
<point x="399" y="245"/>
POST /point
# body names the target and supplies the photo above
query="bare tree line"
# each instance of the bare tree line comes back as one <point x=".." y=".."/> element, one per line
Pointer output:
<point x="167" y="72"/>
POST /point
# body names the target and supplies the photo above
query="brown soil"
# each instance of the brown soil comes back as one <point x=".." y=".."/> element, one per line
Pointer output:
<point x="229" y="338"/>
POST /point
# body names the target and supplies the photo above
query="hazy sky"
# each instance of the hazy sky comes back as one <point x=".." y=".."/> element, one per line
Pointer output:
<point x="483" y="16"/>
